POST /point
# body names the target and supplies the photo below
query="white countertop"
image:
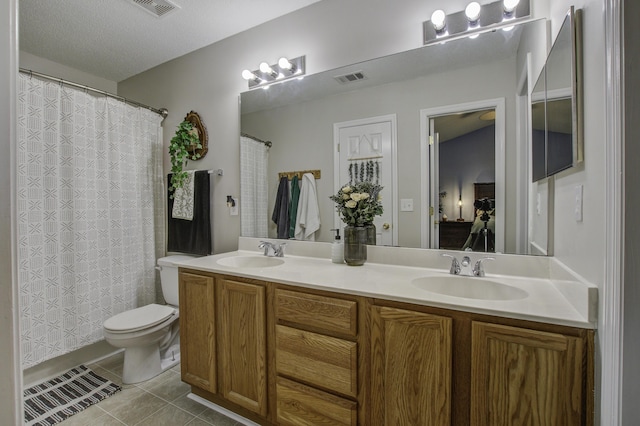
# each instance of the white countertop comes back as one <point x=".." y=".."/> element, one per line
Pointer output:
<point x="554" y="300"/>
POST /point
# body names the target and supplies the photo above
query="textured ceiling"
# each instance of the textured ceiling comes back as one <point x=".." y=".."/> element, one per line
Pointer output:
<point x="116" y="39"/>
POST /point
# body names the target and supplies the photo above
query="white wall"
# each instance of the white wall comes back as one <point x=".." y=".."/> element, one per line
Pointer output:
<point x="54" y="69"/>
<point x="10" y="376"/>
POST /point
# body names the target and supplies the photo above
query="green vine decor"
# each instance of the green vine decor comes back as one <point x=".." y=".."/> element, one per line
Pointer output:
<point x="186" y="139"/>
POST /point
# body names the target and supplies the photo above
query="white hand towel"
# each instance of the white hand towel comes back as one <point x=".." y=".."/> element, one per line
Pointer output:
<point x="183" y="199"/>
<point x="308" y="217"/>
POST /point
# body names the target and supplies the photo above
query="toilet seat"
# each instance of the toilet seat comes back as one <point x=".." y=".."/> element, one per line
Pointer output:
<point x="139" y="319"/>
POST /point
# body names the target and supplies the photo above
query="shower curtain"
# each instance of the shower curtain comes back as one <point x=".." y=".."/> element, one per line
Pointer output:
<point x="253" y="188"/>
<point x="90" y="213"/>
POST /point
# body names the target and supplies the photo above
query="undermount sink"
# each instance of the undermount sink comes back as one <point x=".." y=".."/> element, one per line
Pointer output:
<point x="250" y="261"/>
<point x="469" y="287"/>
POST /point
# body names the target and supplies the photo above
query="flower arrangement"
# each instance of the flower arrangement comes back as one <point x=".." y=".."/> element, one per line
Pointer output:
<point x="359" y="203"/>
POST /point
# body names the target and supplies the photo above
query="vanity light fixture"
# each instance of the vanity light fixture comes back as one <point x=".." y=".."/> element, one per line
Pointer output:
<point x="472" y="12"/>
<point x="509" y="6"/>
<point x="439" y="21"/>
<point x="267" y="75"/>
<point x="474" y="20"/>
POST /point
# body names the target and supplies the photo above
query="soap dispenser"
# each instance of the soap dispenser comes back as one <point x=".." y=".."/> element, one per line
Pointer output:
<point x="337" y="248"/>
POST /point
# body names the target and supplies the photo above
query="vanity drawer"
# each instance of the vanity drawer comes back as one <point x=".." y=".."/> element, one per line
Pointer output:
<point x="316" y="359"/>
<point x="298" y="404"/>
<point x="326" y="313"/>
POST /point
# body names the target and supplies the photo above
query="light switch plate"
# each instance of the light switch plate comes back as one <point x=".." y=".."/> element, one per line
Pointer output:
<point x="406" y="204"/>
<point x="578" y="203"/>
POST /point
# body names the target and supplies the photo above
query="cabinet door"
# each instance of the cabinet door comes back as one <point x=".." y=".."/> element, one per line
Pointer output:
<point x="521" y="376"/>
<point x="197" y="331"/>
<point x="410" y="368"/>
<point x="243" y="345"/>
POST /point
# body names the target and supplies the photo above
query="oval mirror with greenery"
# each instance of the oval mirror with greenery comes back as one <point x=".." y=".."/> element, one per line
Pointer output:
<point x="183" y="147"/>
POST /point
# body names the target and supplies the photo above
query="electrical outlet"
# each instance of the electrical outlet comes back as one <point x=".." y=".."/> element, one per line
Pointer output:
<point x="406" y="204"/>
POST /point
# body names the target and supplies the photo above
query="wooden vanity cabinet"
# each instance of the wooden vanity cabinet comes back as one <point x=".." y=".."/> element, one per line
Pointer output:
<point x="432" y="366"/>
<point x="198" y="364"/>
<point x="284" y="355"/>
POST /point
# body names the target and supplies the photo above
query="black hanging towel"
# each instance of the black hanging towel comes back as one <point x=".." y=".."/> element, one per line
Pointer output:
<point x="280" y="215"/>
<point x="192" y="236"/>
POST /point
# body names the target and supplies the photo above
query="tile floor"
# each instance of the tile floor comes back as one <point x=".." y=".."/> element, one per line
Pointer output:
<point x="161" y="401"/>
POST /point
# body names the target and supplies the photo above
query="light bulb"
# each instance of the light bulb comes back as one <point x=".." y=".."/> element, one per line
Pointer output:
<point x="438" y="19"/>
<point x="266" y="68"/>
<point x="248" y="75"/>
<point x="510" y="5"/>
<point x="473" y="11"/>
<point x="284" y="63"/>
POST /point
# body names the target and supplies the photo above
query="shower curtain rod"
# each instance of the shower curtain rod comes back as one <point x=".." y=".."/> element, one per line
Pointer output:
<point x="163" y="111"/>
<point x="267" y="143"/>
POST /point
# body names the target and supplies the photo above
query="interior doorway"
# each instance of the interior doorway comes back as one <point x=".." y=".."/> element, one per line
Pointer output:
<point x="463" y="176"/>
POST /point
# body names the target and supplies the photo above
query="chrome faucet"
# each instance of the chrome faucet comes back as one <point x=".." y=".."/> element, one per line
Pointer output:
<point x="478" y="270"/>
<point x="272" y="249"/>
<point x="463" y="267"/>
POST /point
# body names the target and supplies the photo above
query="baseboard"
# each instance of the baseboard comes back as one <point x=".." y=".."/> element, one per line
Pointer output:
<point x="56" y="366"/>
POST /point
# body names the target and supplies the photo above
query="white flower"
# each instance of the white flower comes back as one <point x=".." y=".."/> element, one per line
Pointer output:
<point x="364" y="195"/>
<point x="347" y="189"/>
<point x="350" y="204"/>
<point x="346" y="196"/>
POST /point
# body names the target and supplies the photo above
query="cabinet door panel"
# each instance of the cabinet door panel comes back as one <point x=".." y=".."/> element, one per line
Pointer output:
<point x="197" y="331"/>
<point x="410" y="368"/>
<point x="522" y="376"/>
<point x="243" y="374"/>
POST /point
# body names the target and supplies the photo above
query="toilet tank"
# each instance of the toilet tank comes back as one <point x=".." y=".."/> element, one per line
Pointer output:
<point x="169" y="276"/>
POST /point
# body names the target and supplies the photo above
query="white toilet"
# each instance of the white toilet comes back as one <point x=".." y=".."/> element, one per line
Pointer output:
<point x="149" y="334"/>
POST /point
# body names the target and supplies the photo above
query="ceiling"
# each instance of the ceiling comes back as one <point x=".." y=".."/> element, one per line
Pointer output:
<point x="117" y="39"/>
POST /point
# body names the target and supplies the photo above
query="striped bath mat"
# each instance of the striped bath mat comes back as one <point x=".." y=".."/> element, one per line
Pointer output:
<point x="55" y="400"/>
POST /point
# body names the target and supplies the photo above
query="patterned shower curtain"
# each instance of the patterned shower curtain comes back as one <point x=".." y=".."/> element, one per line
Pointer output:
<point x="253" y="188"/>
<point x="90" y="216"/>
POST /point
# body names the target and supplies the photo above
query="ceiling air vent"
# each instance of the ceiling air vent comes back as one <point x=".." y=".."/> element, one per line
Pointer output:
<point x="350" y="78"/>
<point x="157" y="8"/>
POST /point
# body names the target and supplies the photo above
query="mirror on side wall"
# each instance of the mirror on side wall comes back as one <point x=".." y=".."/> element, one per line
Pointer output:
<point x="557" y="103"/>
<point x="299" y="118"/>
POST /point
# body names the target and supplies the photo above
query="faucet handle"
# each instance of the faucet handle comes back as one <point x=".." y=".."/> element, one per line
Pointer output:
<point x="266" y="245"/>
<point x="478" y="270"/>
<point x="455" y="265"/>
<point x="279" y="250"/>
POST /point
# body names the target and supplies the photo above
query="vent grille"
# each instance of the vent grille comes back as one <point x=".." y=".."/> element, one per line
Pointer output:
<point x="157" y="8"/>
<point x="350" y="78"/>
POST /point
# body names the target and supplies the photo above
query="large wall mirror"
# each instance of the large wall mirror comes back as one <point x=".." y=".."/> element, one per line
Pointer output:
<point x="557" y="104"/>
<point x="304" y="119"/>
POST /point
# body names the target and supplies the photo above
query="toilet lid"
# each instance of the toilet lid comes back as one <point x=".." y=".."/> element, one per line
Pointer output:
<point x="139" y="318"/>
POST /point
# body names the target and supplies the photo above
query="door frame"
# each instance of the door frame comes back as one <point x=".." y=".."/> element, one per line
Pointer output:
<point x="425" y="117"/>
<point x="392" y="118"/>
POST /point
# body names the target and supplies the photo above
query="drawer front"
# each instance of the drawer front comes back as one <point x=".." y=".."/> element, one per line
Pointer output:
<point x="320" y="360"/>
<point x="327" y="313"/>
<point x="298" y="404"/>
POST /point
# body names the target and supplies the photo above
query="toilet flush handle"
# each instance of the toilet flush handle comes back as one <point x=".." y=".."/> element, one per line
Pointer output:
<point x="159" y="268"/>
